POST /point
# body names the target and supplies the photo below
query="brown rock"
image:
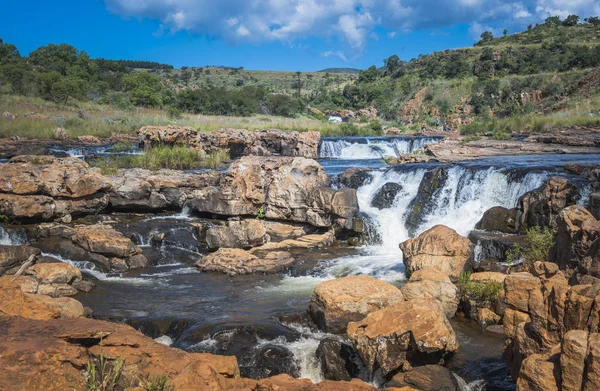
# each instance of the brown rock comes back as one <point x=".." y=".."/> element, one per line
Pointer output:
<point x="236" y="262"/>
<point x="167" y="135"/>
<point x="337" y="302"/>
<point x="16" y="303"/>
<point x="426" y="378"/>
<point x="539" y="374"/>
<point x="485" y="316"/>
<point x="500" y="219"/>
<point x="541" y="206"/>
<point x="577" y="241"/>
<point x="26" y="283"/>
<point x="432" y="283"/>
<point x="68" y="307"/>
<point x="407" y="334"/>
<point x="49" y="176"/>
<point x="488" y="276"/>
<point x="237" y="234"/>
<point x="572" y="359"/>
<point x="591" y="379"/>
<point x="439" y="248"/>
<point x="54" y="273"/>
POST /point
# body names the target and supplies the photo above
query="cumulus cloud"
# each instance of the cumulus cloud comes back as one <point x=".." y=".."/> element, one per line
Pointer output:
<point x="336" y="53"/>
<point x="351" y="22"/>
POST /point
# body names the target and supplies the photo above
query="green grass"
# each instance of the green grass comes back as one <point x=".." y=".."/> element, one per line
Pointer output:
<point x="483" y="292"/>
<point x="157" y="383"/>
<point x="162" y="157"/>
<point x="539" y="242"/>
<point x="527" y="124"/>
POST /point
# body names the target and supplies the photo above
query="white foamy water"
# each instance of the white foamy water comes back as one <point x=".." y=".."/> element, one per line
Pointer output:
<point x="184" y="215"/>
<point x="372" y="148"/>
<point x="10" y="237"/>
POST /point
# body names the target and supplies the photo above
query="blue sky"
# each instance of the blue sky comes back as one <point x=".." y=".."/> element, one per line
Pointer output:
<point x="291" y="35"/>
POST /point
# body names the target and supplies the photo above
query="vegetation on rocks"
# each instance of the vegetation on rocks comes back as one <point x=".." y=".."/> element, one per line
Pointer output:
<point x="161" y="157"/>
<point x="539" y="242"/>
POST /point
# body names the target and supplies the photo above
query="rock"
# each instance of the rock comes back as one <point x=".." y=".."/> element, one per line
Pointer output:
<point x="432" y="283"/>
<point x="408" y="158"/>
<point x="426" y="199"/>
<point x="12" y="257"/>
<point x="278" y="231"/>
<point x="493" y="247"/>
<point x="591" y="377"/>
<point x="337" y="302"/>
<point x="8" y="116"/>
<point x="26" y="283"/>
<point x="307" y="241"/>
<point x="14" y="302"/>
<point x="54" y="273"/>
<point x="338" y="360"/>
<point x="577" y="241"/>
<point x="68" y="307"/>
<point x="572" y="359"/>
<point x="439" y="248"/>
<point x="285" y="189"/>
<point x="595" y="205"/>
<point x="485" y="316"/>
<point x="539" y="374"/>
<point x="500" y="219"/>
<point x="404" y="335"/>
<point x="355" y="177"/>
<point x="386" y="196"/>
<point x="167" y="135"/>
<point x="145" y="190"/>
<point x="426" y="378"/>
<point x="60" y="134"/>
<point x="44" y="187"/>
<point x="90" y="140"/>
<point x="275" y="360"/>
<point x="488" y="276"/>
<point x="101" y="244"/>
<point x="237" y="262"/>
<point x="237" y="234"/>
<point x="540" y="207"/>
<point x="52" y="354"/>
<point x="56" y="290"/>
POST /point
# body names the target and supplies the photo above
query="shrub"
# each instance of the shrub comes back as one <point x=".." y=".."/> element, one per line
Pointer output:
<point x="539" y="241"/>
<point x="283" y="105"/>
<point x="174" y="113"/>
<point x="103" y="374"/>
<point x="157" y="383"/>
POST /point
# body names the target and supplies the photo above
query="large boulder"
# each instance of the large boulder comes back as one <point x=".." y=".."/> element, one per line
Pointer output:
<point x="54" y="273"/>
<point x="425" y="378"/>
<point x="577" y="243"/>
<point x="237" y="261"/>
<point x="237" y="234"/>
<point x="440" y="248"/>
<point x="44" y="187"/>
<point x="355" y="177"/>
<point x="144" y="190"/>
<point x="500" y="219"/>
<point x="433" y="284"/>
<point x="337" y="302"/>
<point x="405" y="335"/>
<point x="167" y="135"/>
<point x="292" y="189"/>
<point x="386" y="196"/>
<point x="101" y="244"/>
<point x="540" y="207"/>
<point x="339" y="360"/>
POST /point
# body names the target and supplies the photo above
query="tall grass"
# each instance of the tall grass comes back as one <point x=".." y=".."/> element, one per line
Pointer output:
<point x="527" y="124"/>
<point x="161" y="157"/>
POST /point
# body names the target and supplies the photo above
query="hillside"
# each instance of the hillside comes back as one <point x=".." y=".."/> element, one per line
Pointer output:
<point x="352" y="71"/>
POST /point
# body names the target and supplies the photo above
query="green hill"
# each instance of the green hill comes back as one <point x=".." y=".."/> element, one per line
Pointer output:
<point x="352" y="71"/>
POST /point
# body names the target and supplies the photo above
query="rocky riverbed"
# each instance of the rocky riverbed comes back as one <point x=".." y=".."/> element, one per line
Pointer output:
<point x="321" y="269"/>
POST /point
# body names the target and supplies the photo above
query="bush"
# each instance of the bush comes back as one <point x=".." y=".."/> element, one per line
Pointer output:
<point x="482" y="292"/>
<point x="162" y="157"/>
<point x="539" y="242"/>
<point x="174" y="113"/>
<point x="283" y="105"/>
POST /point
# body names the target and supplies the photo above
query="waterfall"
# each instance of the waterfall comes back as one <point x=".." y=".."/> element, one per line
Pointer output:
<point x="458" y="203"/>
<point x="12" y="238"/>
<point x="372" y="147"/>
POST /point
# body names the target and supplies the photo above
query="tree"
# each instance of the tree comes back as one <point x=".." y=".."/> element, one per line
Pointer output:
<point x="283" y="105"/>
<point x="486" y="36"/>
<point x="505" y="32"/>
<point x="186" y="74"/>
<point x="529" y="28"/>
<point x="66" y="88"/>
<point x="594" y="20"/>
<point x="144" y="89"/>
<point x="368" y="76"/>
<point x="299" y="85"/>
<point x="553" y="21"/>
<point x="8" y="53"/>
<point x="394" y="67"/>
<point x="571" y="20"/>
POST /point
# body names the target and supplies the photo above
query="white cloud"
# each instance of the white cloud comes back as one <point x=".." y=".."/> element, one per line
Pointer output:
<point x="351" y="22"/>
<point x="337" y="53"/>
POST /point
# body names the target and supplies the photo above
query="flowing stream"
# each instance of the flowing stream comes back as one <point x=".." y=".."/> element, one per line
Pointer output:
<point x="178" y="305"/>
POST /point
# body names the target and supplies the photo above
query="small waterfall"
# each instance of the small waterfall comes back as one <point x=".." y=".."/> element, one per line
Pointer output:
<point x="352" y="148"/>
<point x="459" y="203"/>
<point x="9" y="237"/>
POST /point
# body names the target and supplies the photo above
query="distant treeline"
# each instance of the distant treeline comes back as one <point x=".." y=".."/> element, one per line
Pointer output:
<point x="135" y="64"/>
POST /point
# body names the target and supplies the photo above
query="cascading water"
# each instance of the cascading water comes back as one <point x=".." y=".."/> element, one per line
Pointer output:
<point x="12" y="237"/>
<point x="372" y="147"/>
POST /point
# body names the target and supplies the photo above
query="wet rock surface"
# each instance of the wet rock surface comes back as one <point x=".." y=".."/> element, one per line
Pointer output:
<point x="337" y="302"/>
<point x="439" y="248"/>
<point x="339" y="361"/>
<point x="386" y="196"/>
